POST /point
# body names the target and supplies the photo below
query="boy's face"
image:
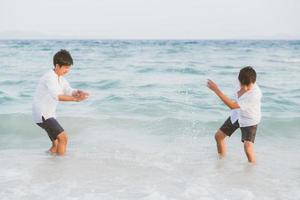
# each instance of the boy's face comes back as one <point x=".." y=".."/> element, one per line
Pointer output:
<point x="62" y="70"/>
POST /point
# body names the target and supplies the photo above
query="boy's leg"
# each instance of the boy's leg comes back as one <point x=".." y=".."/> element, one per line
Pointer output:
<point x="57" y="135"/>
<point x="221" y="145"/>
<point x="49" y="131"/>
<point x="53" y="149"/>
<point x="62" y="143"/>
<point x="248" y="147"/>
<point x="227" y="129"/>
<point x="248" y="137"/>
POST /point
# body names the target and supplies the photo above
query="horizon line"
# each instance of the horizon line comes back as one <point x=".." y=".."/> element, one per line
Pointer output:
<point x="153" y="39"/>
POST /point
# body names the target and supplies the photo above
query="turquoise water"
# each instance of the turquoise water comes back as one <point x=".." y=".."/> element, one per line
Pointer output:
<point x="146" y="132"/>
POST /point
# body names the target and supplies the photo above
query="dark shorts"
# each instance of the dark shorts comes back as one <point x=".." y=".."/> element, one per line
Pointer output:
<point x="52" y="127"/>
<point x="248" y="133"/>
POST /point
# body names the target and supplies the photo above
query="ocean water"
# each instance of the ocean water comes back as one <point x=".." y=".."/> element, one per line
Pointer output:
<point x="147" y="130"/>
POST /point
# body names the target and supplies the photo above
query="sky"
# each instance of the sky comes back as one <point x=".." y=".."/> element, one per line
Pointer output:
<point x="150" y="19"/>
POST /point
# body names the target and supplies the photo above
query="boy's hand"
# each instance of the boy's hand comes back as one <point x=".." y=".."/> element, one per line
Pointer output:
<point x="83" y="94"/>
<point x="212" y="85"/>
<point x="80" y="95"/>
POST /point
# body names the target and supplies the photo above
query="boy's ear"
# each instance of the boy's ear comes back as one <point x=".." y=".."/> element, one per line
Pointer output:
<point x="56" y="66"/>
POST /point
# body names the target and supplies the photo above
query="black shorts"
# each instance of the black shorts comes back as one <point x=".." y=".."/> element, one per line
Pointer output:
<point x="52" y="127"/>
<point x="248" y="133"/>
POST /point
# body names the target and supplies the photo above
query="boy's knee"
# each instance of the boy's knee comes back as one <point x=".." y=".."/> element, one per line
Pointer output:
<point x="54" y="142"/>
<point x="62" y="137"/>
<point x="248" y="145"/>
<point x="219" y="135"/>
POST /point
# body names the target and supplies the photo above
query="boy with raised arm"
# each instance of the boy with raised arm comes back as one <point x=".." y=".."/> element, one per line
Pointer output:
<point x="245" y="112"/>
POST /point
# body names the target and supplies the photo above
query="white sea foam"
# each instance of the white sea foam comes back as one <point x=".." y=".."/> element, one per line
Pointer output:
<point x="124" y="159"/>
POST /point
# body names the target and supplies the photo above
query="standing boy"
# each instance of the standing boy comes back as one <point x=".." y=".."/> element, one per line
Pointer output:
<point x="245" y="112"/>
<point x="53" y="87"/>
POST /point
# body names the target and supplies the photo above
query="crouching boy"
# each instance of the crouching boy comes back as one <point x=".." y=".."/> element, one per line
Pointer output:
<point x="51" y="89"/>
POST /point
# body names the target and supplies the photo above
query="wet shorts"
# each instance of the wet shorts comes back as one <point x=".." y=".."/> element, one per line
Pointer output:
<point x="248" y="133"/>
<point x="52" y="127"/>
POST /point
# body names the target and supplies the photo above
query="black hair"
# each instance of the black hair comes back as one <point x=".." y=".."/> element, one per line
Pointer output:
<point x="63" y="57"/>
<point x="247" y="75"/>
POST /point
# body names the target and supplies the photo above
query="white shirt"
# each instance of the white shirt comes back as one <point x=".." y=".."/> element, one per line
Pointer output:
<point x="45" y="98"/>
<point x="249" y="113"/>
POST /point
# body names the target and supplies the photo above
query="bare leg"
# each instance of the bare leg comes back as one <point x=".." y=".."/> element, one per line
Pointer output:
<point x="62" y="143"/>
<point x="221" y="145"/>
<point x="248" y="147"/>
<point x="53" y="149"/>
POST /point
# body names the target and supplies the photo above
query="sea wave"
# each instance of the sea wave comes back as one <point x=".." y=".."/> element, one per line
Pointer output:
<point x="23" y="125"/>
<point x="121" y="158"/>
<point x="285" y="60"/>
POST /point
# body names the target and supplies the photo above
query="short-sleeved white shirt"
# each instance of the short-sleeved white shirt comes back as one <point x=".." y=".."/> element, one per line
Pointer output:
<point x="249" y="113"/>
<point x="45" y="99"/>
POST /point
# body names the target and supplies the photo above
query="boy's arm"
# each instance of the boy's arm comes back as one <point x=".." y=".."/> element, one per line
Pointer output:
<point x="227" y="101"/>
<point x="71" y="94"/>
<point x="68" y="90"/>
<point x="80" y="93"/>
<point x="63" y="97"/>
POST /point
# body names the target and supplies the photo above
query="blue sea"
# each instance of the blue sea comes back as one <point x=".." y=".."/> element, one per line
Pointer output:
<point x="147" y="130"/>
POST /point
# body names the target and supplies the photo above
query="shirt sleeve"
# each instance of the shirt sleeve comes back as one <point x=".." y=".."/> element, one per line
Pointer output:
<point x="68" y="90"/>
<point x="52" y="87"/>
